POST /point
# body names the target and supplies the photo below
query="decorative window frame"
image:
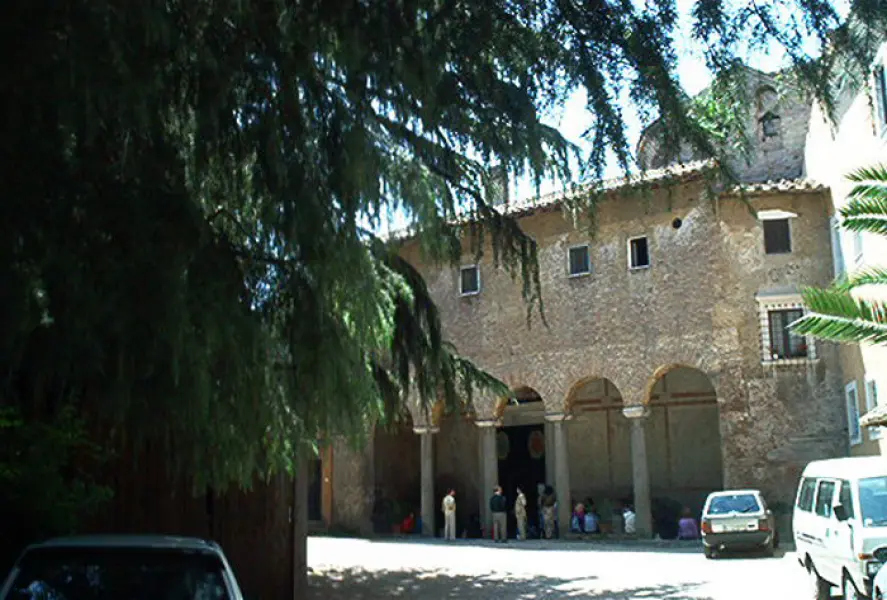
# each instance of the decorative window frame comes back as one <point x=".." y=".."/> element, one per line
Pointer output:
<point x="464" y="268"/>
<point x="781" y="302"/>
<point x="590" y="270"/>
<point x="632" y="238"/>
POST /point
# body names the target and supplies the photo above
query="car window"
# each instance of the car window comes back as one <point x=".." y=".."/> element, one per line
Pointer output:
<point x="846" y="498"/>
<point x="824" y="498"/>
<point x="873" y="501"/>
<point x="805" y="497"/>
<point x="113" y="573"/>
<point x="733" y="503"/>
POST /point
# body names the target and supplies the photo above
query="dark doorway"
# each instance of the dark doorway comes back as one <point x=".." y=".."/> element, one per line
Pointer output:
<point x="315" y="490"/>
<point x="521" y="464"/>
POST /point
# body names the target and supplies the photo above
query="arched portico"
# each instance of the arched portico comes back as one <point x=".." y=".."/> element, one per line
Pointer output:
<point x="599" y="448"/>
<point x="683" y="440"/>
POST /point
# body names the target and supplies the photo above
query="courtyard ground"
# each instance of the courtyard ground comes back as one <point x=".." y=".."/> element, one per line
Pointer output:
<point x="470" y="569"/>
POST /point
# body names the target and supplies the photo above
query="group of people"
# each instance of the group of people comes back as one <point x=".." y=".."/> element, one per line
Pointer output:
<point x="585" y="517"/>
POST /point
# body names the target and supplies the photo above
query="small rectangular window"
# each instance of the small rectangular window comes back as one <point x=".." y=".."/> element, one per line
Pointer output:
<point x="846" y="498"/>
<point x="783" y="342"/>
<point x="824" y="498"/>
<point x="871" y="403"/>
<point x="580" y="260"/>
<point x="805" y="496"/>
<point x="853" y="428"/>
<point x="469" y="280"/>
<point x="639" y="253"/>
<point x="777" y="236"/>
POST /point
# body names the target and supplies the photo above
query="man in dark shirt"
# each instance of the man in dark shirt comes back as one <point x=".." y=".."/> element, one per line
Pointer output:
<point x="499" y="508"/>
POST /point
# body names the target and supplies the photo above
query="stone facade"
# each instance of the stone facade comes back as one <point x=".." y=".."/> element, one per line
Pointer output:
<point x="648" y="383"/>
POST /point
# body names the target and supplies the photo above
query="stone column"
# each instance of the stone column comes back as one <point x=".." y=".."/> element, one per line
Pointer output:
<point x="562" y="471"/>
<point x="640" y="469"/>
<point x="427" y="479"/>
<point x="489" y="468"/>
<point x="550" y="475"/>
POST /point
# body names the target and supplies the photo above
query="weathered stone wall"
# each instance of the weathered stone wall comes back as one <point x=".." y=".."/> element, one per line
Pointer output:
<point x="770" y="157"/>
<point x="695" y="306"/>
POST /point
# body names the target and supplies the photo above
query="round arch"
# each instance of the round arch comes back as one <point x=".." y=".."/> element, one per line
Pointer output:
<point x="684" y="449"/>
<point x="589" y="391"/>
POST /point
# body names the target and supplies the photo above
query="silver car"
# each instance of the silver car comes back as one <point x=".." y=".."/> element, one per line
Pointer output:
<point x="737" y="520"/>
<point x="122" y="566"/>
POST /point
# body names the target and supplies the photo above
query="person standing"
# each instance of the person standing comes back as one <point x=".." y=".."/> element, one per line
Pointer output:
<point x="448" y="506"/>
<point x="549" y="511"/>
<point x="499" y="508"/>
<point x="520" y="514"/>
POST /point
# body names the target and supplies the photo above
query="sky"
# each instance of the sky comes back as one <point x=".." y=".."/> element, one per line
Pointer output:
<point x="693" y="75"/>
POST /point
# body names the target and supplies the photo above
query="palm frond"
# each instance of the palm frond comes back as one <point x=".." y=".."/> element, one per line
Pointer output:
<point x="871" y="173"/>
<point x="837" y="316"/>
<point x="870" y="276"/>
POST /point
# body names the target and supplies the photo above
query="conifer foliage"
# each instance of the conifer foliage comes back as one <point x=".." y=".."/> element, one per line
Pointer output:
<point x="192" y="189"/>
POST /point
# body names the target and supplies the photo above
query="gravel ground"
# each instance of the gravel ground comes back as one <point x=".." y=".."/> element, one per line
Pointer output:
<point x="363" y="570"/>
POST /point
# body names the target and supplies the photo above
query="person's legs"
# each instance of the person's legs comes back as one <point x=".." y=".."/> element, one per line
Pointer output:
<point x="522" y="528"/>
<point x="502" y="525"/>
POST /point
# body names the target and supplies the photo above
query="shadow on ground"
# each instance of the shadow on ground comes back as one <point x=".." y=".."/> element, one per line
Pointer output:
<point x="591" y="545"/>
<point x="357" y="584"/>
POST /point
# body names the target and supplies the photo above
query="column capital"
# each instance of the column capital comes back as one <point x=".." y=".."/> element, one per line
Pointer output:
<point x="636" y="412"/>
<point x="557" y="417"/>
<point x="423" y="430"/>
<point x="489" y="423"/>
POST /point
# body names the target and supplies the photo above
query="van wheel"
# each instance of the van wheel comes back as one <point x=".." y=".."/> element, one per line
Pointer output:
<point x="849" y="589"/>
<point x="819" y="587"/>
<point x="709" y="552"/>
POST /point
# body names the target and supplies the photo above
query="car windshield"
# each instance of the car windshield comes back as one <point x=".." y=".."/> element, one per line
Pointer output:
<point x="118" y="574"/>
<point x="873" y="501"/>
<point x="733" y="503"/>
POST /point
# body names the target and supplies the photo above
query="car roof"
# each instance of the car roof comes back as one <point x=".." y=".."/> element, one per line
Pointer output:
<point x="734" y="493"/>
<point x="854" y="467"/>
<point x="129" y="541"/>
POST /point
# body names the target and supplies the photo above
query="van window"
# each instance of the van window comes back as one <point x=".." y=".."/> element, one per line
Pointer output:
<point x="873" y="501"/>
<point x="846" y="498"/>
<point x="824" y="498"/>
<point x="805" y="497"/>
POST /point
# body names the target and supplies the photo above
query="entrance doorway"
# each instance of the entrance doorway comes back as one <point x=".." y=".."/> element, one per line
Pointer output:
<point x="520" y="445"/>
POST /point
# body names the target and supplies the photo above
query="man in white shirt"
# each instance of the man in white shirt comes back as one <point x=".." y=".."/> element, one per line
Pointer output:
<point x="448" y="506"/>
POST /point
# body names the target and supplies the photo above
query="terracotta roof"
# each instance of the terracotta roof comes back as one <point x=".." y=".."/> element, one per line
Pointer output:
<point x="681" y="172"/>
<point x="676" y="173"/>
<point x="786" y="186"/>
<point x="551" y="201"/>
<point x="877" y="417"/>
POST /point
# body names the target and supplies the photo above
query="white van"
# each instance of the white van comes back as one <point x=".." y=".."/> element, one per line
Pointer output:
<point x="840" y="519"/>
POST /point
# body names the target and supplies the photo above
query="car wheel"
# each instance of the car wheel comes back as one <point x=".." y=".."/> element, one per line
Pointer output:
<point x="819" y="587"/>
<point x="709" y="552"/>
<point x="849" y="589"/>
